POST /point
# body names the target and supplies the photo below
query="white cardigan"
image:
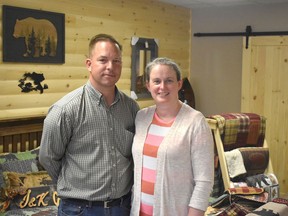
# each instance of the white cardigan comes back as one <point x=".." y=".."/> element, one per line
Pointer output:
<point x="185" y="165"/>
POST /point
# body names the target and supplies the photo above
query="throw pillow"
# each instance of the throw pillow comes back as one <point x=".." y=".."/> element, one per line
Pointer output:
<point x="17" y="182"/>
<point x="41" y="196"/>
<point x="32" y="189"/>
<point x="21" y="162"/>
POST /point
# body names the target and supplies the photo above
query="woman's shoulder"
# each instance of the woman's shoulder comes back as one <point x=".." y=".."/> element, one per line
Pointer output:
<point x="146" y="111"/>
<point x="188" y="110"/>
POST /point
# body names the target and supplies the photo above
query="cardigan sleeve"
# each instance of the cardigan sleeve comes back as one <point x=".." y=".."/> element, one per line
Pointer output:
<point x="202" y="161"/>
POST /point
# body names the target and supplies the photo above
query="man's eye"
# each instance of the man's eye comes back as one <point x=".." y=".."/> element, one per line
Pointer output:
<point x="117" y="61"/>
<point x="102" y="60"/>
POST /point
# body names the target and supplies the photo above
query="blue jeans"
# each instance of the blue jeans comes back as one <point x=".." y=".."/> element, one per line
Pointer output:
<point x="70" y="208"/>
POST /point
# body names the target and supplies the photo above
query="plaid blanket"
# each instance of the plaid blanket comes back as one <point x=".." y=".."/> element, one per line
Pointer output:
<point x="241" y="129"/>
<point x="233" y="210"/>
<point x="245" y="190"/>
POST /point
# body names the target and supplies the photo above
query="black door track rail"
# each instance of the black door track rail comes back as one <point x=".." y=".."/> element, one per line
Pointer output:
<point x="247" y="34"/>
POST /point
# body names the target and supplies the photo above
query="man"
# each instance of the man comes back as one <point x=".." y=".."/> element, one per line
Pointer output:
<point x="87" y="138"/>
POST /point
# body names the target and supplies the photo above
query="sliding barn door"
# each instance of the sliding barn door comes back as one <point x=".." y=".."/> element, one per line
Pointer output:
<point x="265" y="91"/>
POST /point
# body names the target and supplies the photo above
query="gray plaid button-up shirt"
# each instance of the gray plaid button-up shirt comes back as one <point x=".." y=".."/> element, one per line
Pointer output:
<point x="86" y="146"/>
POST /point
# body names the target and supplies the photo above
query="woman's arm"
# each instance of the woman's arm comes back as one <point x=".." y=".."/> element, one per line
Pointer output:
<point x="195" y="212"/>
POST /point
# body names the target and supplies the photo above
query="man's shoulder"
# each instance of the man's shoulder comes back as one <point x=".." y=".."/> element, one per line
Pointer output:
<point x="124" y="95"/>
<point x="71" y="97"/>
<point x="127" y="99"/>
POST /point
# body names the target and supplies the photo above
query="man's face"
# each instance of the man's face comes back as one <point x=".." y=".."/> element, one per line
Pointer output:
<point x="104" y="65"/>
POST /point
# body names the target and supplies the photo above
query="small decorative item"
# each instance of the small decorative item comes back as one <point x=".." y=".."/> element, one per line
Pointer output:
<point x="144" y="50"/>
<point x="186" y="93"/>
<point x="32" y="82"/>
<point x="33" y="35"/>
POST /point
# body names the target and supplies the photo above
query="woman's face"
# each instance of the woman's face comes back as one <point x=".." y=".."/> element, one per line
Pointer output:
<point x="163" y="84"/>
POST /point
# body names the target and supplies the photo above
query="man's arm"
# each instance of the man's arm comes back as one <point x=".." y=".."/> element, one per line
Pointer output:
<point x="53" y="141"/>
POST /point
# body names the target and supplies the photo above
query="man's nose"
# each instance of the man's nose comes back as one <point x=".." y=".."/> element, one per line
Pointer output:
<point x="109" y="64"/>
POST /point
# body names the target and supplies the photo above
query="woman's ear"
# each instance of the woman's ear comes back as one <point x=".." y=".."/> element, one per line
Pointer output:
<point x="147" y="85"/>
<point x="180" y="83"/>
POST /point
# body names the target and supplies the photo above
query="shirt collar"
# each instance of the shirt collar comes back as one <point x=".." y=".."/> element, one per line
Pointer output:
<point x="98" y="95"/>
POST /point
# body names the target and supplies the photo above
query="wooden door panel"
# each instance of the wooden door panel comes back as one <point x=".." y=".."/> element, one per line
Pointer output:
<point x="265" y="91"/>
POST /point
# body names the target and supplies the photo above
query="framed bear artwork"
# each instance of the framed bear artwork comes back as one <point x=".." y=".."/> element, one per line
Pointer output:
<point x="33" y="35"/>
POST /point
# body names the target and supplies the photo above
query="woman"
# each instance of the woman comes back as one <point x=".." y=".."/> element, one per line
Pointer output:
<point x="172" y="150"/>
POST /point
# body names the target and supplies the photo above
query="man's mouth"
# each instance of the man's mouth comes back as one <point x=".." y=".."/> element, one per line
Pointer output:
<point x="109" y="75"/>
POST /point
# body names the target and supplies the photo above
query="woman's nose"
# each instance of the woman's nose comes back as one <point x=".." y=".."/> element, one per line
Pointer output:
<point x="162" y="84"/>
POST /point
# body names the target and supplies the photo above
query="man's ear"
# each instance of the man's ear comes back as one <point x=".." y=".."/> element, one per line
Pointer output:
<point x="88" y="64"/>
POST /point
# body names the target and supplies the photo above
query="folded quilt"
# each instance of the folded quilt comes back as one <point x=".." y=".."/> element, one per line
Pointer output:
<point x="250" y="194"/>
<point x="271" y="208"/>
<point x="241" y="129"/>
<point x="235" y="163"/>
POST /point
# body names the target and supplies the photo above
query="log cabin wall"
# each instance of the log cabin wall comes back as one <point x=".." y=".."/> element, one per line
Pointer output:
<point x="83" y="19"/>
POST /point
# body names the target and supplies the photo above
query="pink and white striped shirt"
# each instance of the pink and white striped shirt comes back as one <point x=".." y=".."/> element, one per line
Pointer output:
<point x="157" y="131"/>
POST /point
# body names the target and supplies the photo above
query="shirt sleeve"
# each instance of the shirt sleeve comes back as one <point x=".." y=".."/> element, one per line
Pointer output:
<point x="55" y="136"/>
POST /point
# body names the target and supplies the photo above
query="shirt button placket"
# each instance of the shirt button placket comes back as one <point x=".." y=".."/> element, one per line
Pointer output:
<point x="113" y="155"/>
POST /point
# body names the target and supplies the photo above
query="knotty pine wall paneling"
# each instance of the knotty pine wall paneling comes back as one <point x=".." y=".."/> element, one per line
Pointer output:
<point x="171" y="25"/>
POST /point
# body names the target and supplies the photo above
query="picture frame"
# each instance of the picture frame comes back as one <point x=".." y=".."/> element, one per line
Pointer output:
<point x="35" y="36"/>
<point x="144" y="50"/>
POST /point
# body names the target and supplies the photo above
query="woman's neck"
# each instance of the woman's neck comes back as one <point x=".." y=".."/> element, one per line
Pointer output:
<point x="168" y="112"/>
